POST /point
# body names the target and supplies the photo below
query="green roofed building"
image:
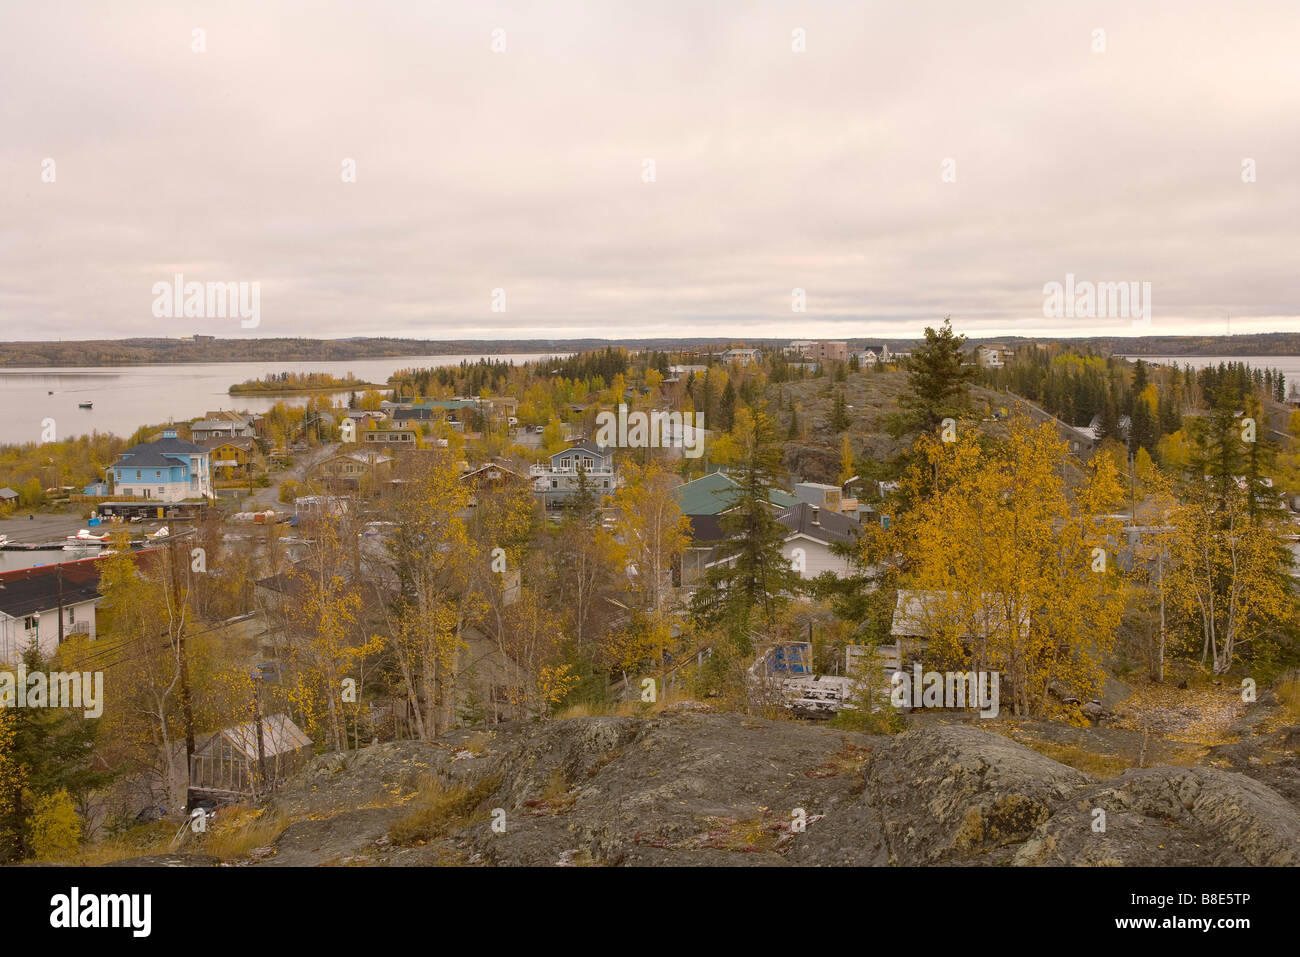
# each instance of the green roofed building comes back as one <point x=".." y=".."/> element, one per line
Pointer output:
<point x="446" y="405"/>
<point x="703" y="501"/>
<point x="716" y="492"/>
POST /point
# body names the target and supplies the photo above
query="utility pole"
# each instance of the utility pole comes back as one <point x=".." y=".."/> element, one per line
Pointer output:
<point x="59" y="573"/>
<point x="257" y="723"/>
<point x="187" y="707"/>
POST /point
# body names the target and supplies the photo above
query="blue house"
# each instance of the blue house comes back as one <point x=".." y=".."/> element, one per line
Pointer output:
<point x="168" y="470"/>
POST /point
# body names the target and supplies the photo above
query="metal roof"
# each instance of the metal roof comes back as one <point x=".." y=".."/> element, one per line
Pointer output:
<point x="30" y="590"/>
<point x="829" y="527"/>
<point x="716" y="492"/>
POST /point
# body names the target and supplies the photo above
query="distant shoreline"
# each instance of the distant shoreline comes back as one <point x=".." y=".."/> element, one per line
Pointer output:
<point x="127" y="353"/>
<point x="272" y="393"/>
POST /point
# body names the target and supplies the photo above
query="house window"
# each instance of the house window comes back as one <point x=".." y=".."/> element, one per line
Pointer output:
<point x="70" y="618"/>
<point x="137" y="475"/>
<point x="31" y="622"/>
<point x="161" y="490"/>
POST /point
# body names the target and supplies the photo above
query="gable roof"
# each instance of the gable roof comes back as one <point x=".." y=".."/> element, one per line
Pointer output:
<point x="156" y="454"/>
<point x="365" y="457"/>
<point x="586" y="445"/>
<point x="244" y="442"/>
<point x="230" y="415"/>
<point x="419" y="415"/>
<point x="279" y="736"/>
<point x="486" y="471"/>
<point x="830" y="527"/>
<point x="716" y="492"/>
<point x="31" y="590"/>
<point x="448" y="404"/>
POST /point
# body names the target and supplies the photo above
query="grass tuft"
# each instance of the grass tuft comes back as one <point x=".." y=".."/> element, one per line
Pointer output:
<point x="438" y="809"/>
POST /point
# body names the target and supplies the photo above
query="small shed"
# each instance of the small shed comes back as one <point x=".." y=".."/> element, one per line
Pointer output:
<point x="228" y="761"/>
<point x="7" y="495"/>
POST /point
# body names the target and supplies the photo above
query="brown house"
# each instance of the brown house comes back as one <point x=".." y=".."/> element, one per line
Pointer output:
<point x="363" y="469"/>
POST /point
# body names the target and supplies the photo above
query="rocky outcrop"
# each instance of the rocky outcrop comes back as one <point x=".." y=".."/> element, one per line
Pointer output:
<point x="954" y="792"/>
<point x="1170" y="816"/>
<point x="691" y="788"/>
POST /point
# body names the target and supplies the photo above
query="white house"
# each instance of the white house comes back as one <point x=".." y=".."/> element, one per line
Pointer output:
<point x="229" y="426"/>
<point x="811" y="533"/>
<point x="34" y="601"/>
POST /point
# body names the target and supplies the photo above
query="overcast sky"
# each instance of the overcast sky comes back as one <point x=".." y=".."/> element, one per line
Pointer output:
<point x="522" y="170"/>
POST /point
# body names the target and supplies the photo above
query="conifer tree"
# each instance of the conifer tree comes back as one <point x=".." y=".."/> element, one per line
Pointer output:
<point x="938" y="379"/>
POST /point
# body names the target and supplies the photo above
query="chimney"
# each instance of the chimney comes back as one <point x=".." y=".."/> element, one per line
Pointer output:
<point x="815" y="511"/>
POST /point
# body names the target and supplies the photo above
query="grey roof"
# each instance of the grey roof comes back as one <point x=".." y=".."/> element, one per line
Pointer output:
<point x="586" y="445"/>
<point x="829" y="527"/>
<point x="33" y="590"/>
<point x="403" y="415"/>
<point x="7" y="492"/>
<point x="240" y="441"/>
<point x="152" y="454"/>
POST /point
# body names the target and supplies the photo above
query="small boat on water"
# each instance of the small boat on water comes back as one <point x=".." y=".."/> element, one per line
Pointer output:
<point x="85" y="405"/>
<point x="4" y="539"/>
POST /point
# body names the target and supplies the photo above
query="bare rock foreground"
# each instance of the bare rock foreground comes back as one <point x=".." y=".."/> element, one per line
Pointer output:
<point x="687" y="788"/>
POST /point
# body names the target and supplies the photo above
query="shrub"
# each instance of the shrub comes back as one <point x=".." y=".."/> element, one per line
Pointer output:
<point x="54" y="829"/>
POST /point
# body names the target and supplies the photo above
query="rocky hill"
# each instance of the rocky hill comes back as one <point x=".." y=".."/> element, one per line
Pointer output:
<point x="687" y="787"/>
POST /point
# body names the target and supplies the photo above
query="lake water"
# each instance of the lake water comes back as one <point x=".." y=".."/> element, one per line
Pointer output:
<point x="1290" y="365"/>
<point x="127" y="397"/>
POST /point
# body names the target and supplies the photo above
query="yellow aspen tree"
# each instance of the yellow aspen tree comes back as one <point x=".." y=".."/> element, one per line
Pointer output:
<point x="432" y="559"/>
<point x="322" y="618"/>
<point x="141" y="638"/>
<point x="1018" y="570"/>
